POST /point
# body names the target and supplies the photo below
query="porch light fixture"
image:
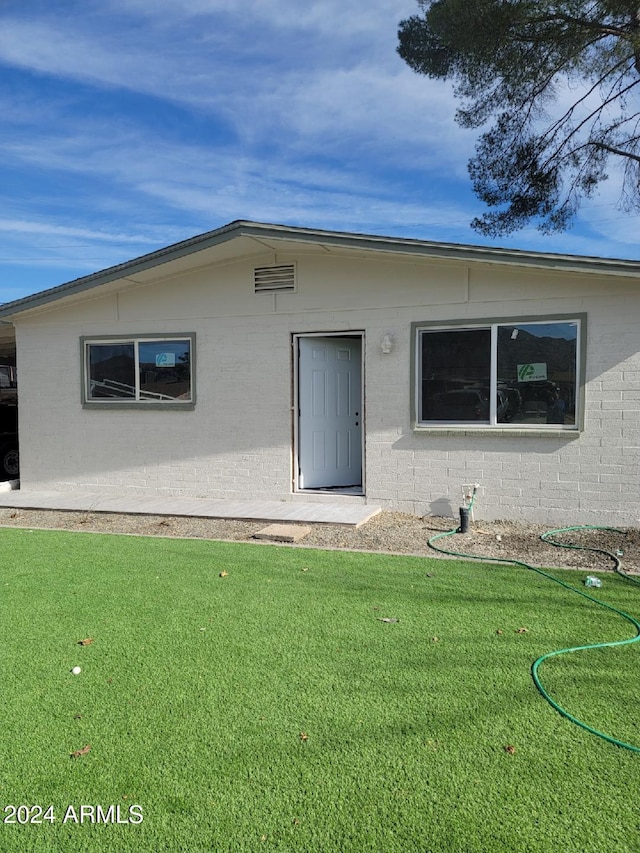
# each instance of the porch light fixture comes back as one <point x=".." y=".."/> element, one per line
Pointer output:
<point x="386" y="344"/>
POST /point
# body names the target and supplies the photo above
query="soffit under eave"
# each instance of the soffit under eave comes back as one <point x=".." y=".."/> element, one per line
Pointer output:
<point x="260" y="242"/>
<point x="413" y="252"/>
<point x="272" y="250"/>
<point x="240" y="248"/>
<point x="237" y="249"/>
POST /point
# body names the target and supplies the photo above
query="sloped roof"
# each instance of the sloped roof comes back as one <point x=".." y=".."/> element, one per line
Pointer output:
<point x="274" y="237"/>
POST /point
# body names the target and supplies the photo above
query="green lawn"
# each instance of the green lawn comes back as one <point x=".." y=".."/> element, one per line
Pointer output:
<point x="272" y="709"/>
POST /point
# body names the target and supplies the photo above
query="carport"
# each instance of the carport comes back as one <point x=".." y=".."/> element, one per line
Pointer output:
<point x="9" y="467"/>
<point x="7" y="343"/>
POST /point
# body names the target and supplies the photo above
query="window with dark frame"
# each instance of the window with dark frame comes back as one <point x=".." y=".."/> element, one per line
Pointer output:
<point x="521" y="374"/>
<point x="138" y="370"/>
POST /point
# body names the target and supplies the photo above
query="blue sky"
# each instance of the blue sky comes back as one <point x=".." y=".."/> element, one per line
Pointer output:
<point x="128" y="125"/>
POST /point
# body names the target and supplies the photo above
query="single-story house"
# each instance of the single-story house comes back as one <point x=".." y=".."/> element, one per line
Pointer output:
<point x="277" y="363"/>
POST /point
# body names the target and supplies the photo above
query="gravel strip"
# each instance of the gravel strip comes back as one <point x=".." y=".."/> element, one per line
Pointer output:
<point x="388" y="532"/>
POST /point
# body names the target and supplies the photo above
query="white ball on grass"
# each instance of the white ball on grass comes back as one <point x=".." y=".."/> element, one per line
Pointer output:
<point x="76" y="670"/>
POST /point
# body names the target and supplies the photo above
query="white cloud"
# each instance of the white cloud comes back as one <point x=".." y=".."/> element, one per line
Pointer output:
<point x="110" y="59"/>
<point x="339" y="20"/>
<point x="22" y="227"/>
<point x="176" y="55"/>
<point x="343" y="89"/>
<point x="204" y="181"/>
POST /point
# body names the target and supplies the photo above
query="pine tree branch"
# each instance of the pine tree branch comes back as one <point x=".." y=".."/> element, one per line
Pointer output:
<point x="553" y="130"/>
<point x="557" y="153"/>
<point x="624" y="32"/>
<point x="613" y="150"/>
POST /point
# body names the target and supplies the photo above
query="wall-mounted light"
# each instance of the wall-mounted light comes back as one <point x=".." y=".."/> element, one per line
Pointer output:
<point x="386" y="344"/>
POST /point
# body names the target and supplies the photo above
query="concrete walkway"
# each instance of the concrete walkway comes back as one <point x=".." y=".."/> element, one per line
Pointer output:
<point x="349" y="514"/>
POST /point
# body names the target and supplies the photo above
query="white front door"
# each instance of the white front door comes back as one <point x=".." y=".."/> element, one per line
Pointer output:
<point x="330" y="412"/>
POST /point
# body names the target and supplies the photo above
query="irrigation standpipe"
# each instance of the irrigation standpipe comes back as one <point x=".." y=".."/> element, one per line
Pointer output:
<point x="464" y="517"/>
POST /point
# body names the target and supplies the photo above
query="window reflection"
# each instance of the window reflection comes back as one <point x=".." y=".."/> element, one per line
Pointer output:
<point x="521" y="373"/>
<point x="112" y="371"/>
<point x="163" y="371"/>
<point x="456" y="370"/>
<point x="537" y="372"/>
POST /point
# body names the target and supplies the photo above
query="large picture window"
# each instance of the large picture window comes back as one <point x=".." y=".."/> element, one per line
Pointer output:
<point x="525" y="374"/>
<point x="153" y="370"/>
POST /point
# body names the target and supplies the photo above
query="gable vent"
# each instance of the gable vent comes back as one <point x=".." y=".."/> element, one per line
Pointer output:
<point x="276" y="279"/>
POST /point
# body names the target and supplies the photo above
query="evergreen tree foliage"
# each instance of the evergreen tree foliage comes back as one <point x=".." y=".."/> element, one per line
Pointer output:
<point x="557" y="83"/>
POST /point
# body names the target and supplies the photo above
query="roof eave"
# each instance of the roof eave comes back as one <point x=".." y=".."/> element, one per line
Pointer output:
<point x="347" y="240"/>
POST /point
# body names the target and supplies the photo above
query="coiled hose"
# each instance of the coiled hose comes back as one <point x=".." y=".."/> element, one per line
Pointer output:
<point x="536" y="664"/>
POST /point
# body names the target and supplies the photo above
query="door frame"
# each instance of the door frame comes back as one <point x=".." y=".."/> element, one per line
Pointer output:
<point x="295" y="409"/>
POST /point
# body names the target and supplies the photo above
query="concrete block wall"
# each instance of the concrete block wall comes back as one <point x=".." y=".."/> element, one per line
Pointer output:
<point x="590" y="477"/>
<point x="237" y="442"/>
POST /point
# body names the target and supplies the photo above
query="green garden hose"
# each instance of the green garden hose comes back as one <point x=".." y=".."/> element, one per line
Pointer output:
<point x="536" y="665"/>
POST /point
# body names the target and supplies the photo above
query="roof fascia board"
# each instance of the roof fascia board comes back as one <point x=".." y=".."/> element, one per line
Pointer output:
<point x="456" y="251"/>
<point x="331" y="240"/>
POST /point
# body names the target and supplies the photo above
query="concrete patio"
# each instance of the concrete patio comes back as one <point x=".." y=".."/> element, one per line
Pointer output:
<point x="352" y="514"/>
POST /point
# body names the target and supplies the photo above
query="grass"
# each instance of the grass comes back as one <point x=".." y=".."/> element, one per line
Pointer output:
<point x="271" y="709"/>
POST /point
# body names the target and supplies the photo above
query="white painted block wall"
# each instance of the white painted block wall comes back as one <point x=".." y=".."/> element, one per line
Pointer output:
<point x="237" y="442"/>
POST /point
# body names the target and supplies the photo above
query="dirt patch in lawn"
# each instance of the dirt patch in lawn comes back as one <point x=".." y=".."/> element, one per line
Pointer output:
<point x="388" y="532"/>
